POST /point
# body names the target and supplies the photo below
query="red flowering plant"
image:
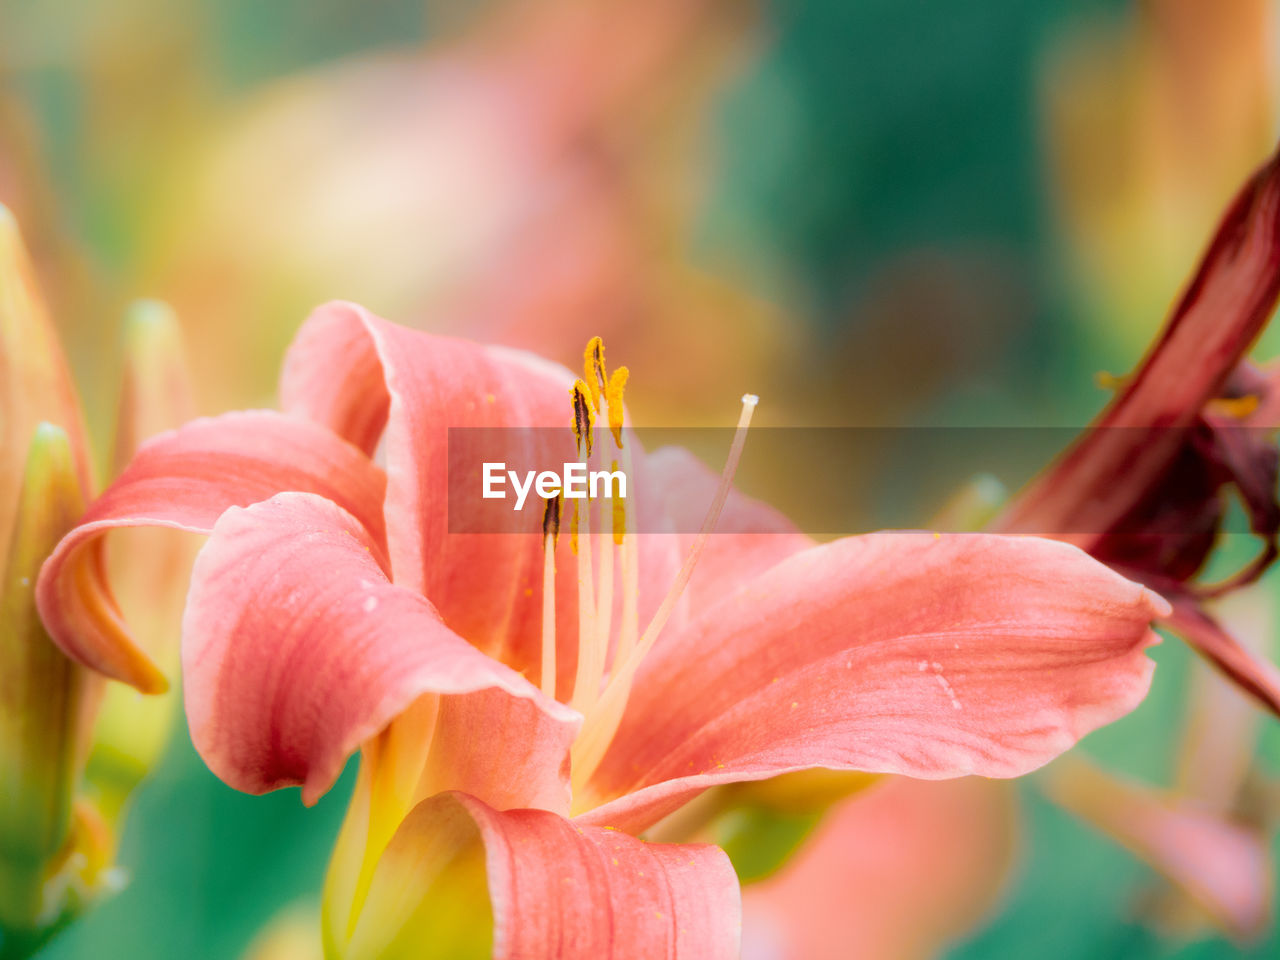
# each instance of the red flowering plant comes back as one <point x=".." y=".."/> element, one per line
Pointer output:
<point x="1145" y="488"/>
<point x="527" y="704"/>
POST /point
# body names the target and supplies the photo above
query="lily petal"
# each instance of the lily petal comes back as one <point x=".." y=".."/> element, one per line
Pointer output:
<point x="525" y="762"/>
<point x="569" y="891"/>
<point x="556" y="889"/>
<point x="183" y="480"/>
<point x="930" y="656"/>
<point x="297" y="648"/>
<point x="430" y="748"/>
<point x="418" y="386"/>
<point x="333" y="375"/>
<point x="487" y="586"/>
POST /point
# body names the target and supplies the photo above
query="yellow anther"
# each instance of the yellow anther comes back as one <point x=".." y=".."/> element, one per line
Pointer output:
<point x="551" y="519"/>
<point x="1237" y="408"/>
<point x="619" y="513"/>
<point x="613" y="397"/>
<point x="573" y="531"/>
<point x="593" y="371"/>
<point x="583" y="418"/>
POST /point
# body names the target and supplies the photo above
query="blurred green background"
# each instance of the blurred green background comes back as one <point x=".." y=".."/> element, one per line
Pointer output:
<point x="883" y="211"/>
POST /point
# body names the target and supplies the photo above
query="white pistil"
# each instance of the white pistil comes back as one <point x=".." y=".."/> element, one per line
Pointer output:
<point x="602" y="720"/>
<point x="659" y="620"/>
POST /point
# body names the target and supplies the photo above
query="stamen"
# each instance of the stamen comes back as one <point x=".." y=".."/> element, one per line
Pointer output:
<point x="602" y="721"/>
<point x="624" y="535"/>
<point x="1236" y="408"/>
<point x="630" y="575"/>
<point x="604" y="622"/>
<point x="613" y="402"/>
<point x="630" y="602"/>
<point x="619" y="513"/>
<point x="593" y="371"/>
<point x="550" y="534"/>
<point x="582" y="691"/>
<point x="583" y="418"/>
<point x="594" y="643"/>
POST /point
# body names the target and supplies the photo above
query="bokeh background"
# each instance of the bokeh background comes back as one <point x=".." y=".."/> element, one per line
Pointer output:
<point x="882" y="212"/>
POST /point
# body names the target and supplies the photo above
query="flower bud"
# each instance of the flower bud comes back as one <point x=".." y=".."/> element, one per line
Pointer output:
<point x="35" y="384"/>
<point x="46" y="700"/>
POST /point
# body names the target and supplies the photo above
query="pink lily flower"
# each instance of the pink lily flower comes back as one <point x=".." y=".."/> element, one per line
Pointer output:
<point x="1145" y="488"/>
<point x="525" y="711"/>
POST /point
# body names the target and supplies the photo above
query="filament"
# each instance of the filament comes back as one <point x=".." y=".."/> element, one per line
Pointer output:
<point x="630" y="579"/>
<point x="549" y="617"/>
<point x="550" y="535"/>
<point x="602" y="721"/>
<point x="586" y="607"/>
<point x="604" y="618"/>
